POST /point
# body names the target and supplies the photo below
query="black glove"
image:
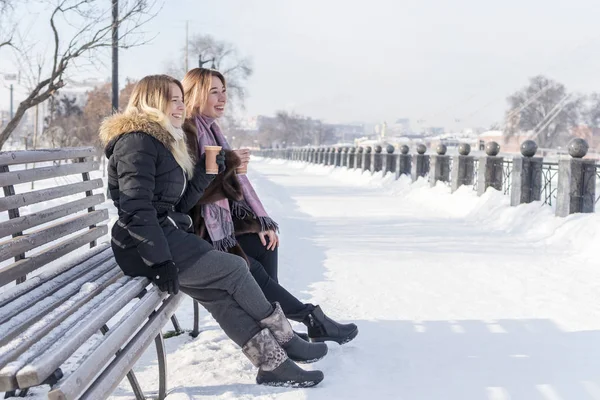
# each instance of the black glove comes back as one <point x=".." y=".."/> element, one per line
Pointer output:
<point x="221" y="161"/>
<point x="165" y="275"/>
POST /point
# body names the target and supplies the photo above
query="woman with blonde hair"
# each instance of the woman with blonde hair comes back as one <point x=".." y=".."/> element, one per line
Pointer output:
<point x="231" y="215"/>
<point x="154" y="182"/>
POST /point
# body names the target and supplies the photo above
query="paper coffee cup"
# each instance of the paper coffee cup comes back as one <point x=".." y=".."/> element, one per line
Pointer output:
<point x="211" y="159"/>
<point x="242" y="169"/>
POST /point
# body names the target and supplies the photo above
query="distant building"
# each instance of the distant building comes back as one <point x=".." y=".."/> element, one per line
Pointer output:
<point x="434" y="130"/>
<point x="402" y="125"/>
<point x="345" y="132"/>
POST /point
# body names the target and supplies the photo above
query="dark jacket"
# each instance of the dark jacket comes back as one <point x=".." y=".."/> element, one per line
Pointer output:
<point x="152" y="194"/>
<point x="225" y="186"/>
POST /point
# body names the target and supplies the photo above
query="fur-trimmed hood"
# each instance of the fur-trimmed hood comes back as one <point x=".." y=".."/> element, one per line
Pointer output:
<point x="115" y="126"/>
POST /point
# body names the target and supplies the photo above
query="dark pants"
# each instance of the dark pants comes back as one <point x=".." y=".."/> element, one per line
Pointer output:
<point x="222" y="284"/>
<point x="263" y="267"/>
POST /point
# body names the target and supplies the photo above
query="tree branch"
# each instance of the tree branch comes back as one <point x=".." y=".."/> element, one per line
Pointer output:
<point x="93" y="34"/>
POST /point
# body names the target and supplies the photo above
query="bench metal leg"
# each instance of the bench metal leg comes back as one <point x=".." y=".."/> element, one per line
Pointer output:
<point x="161" y="355"/>
<point x="176" y="325"/>
<point x="196" y="331"/>
<point x="135" y="385"/>
<point x="13" y="393"/>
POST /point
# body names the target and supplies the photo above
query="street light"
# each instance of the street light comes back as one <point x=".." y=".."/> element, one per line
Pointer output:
<point x="10" y="77"/>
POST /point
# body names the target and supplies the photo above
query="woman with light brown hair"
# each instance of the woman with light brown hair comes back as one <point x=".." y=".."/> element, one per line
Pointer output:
<point x="231" y="216"/>
<point x="154" y="182"/>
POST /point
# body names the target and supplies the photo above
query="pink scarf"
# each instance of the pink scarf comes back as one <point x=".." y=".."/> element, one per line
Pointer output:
<point x="218" y="216"/>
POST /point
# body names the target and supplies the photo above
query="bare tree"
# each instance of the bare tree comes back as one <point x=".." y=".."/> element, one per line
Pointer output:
<point x="545" y="108"/>
<point x="91" y="33"/>
<point x="291" y="129"/>
<point x="592" y="110"/>
<point x="65" y="125"/>
<point x="6" y="29"/>
<point x="225" y="58"/>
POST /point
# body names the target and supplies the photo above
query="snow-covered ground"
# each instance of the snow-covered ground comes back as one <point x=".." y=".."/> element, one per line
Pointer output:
<point x="456" y="296"/>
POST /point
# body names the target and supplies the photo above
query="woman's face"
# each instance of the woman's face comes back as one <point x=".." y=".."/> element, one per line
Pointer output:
<point x="217" y="97"/>
<point x="176" y="108"/>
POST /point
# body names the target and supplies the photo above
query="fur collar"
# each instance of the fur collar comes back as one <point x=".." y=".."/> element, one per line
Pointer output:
<point x="115" y="126"/>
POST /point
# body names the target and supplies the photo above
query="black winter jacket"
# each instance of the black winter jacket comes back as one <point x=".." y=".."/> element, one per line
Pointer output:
<point x="152" y="194"/>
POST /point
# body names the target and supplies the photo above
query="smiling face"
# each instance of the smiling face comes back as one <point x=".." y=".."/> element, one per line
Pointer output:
<point x="175" y="106"/>
<point x="214" y="107"/>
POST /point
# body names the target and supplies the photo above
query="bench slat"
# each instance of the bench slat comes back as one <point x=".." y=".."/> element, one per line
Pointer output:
<point x="37" y="310"/>
<point x="90" y="258"/>
<point x="46" y="289"/>
<point x="36" y="372"/>
<point x="25" y="222"/>
<point x="38" y="196"/>
<point x="29" y="241"/>
<point x="53" y="326"/>
<point x="73" y="384"/>
<point x="23" y="267"/>
<point x="31" y="156"/>
<point x="124" y="362"/>
<point x="38" y="174"/>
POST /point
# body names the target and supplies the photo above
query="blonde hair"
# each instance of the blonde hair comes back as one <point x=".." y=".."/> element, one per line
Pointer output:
<point x="196" y="87"/>
<point x="151" y="97"/>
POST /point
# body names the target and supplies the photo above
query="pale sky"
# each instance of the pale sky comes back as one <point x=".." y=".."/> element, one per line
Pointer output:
<point x="379" y="60"/>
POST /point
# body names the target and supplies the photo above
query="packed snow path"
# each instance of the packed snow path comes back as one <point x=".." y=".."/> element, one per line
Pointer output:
<point x="455" y="296"/>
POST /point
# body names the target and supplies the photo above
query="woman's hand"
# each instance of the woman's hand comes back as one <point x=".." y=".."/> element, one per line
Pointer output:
<point x="243" y="154"/>
<point x="273" y="239"/>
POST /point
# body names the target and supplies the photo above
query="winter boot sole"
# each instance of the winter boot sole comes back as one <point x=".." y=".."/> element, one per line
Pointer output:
<point x="348" y="338"/>
<point x="288" y="374"/>
<point x="308" y="361"/>
<point x="292" y="384"/>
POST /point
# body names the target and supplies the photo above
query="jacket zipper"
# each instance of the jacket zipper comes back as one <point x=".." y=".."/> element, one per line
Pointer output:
<point x="180" y="196"/>
<point x="184" y="185"/>
<point x="173" y="222"/>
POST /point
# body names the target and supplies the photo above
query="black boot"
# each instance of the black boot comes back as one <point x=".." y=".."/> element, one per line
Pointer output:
<point x="321" y="328"/>
<point x="302" y="335"/>
<point x="297" y="349"/>
<point x="275" y="368"/>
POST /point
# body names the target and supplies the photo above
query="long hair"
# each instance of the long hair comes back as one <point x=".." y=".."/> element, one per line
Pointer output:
<point x="196" y="87"/>
<point x="151" y="97"/>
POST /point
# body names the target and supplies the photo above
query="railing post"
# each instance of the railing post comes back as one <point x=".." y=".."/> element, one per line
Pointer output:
<point x="377" y="159"/>
<point x="490" y="169"/>
<point x="404" y="162"/>
<point x="367" y="159"/>
<point x="338" y="157"/>
<point x="440" y="166"/>
<point x="463" y="167"/>
<point x="526" y="175"/>
<point x="421" y="163"/>
<point x="390" y="159"/>
<point x="352" y="158"/>
<point x="359" y="158"/>
<point x="345" y="157"/>
<point x="576" y="181"/>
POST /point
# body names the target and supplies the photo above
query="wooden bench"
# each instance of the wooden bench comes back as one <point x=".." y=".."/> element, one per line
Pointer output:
<point x="50" y="319"/>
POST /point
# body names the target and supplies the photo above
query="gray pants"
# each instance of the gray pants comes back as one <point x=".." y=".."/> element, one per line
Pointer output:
<point x="222" y="283"/>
